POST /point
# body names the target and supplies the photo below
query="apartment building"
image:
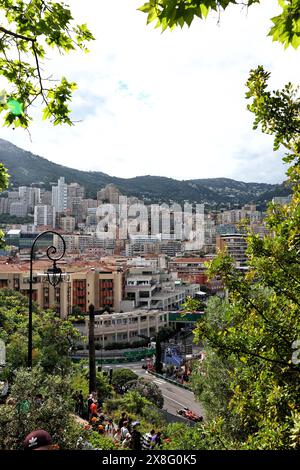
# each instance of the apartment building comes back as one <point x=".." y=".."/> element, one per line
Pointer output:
<point x="5" y="203"/>
<point x="110" y="194"/>
<point x="101" y="287"/>
<point x="282" y="200"/>
<point x="261" y="229"/>
<point x="67" y="224"/>
<point x="236" y="216"/>
<point x="156" y="289"/>
<point x="121" y="327"/>
<point x="194" y="270"/>
<point x="31" y="196"/>
<point x="190" y="269"/>
<point x="16" y="277"/>
<point x="23" y="240"/>
<point x="46" y="198"/>
<point x="78" y="243"/>
<point x="236" y="245"/>
<point x="80" y="286"/>
<point x="141" y="245"/>
<point x="60" y="195"/>
<point x="44" y="215"/>
<point x="18" y="209"/>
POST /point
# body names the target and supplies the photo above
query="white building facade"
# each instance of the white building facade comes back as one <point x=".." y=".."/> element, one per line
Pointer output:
<point x="123" y="327"/>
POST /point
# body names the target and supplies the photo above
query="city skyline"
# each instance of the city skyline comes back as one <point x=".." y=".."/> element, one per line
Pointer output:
<point x="165" y="104"/>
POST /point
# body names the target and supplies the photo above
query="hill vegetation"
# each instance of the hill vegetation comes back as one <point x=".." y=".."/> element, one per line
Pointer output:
<point x="27" y="169"/>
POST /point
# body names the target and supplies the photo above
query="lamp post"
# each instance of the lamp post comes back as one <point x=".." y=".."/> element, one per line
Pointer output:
<point x="92" y="357"/>
<point x="101" y="357"/>
<point x="54" y="276"/>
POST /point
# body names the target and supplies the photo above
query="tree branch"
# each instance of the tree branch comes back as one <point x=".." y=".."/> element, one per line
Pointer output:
<point x="39" y="73"/>
<point x="16" y="35"/>
<point x="258" y="356"/>
<point x="246" y="298"/>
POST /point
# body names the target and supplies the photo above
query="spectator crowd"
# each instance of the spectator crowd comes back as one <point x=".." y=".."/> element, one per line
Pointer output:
<point x="125" y="433"/>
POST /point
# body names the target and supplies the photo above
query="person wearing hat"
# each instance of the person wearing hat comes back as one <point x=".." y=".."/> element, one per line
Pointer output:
<point x="136" y="436"/>
<point x="38" y="440"/>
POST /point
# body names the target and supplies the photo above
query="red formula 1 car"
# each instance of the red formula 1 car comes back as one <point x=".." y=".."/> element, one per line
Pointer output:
<point x="189" y="414"/>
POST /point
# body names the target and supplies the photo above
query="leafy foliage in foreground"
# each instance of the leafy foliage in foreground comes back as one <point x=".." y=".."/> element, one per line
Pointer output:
<point x="80" y="380"/>
<point x="52" y="337"/>
<point x="174" y="13"/>
<point x="29" y="30"/>
<point x="23" y="413"/>
<point x="249" y="381"/>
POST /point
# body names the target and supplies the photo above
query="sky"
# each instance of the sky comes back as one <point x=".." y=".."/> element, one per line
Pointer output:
<point x="167" y="104"/>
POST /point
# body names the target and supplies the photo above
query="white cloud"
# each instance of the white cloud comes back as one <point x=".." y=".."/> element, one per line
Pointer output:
<point x="167" y="104"/>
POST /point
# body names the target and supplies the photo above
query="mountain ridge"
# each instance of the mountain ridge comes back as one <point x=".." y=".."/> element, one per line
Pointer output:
<point x="28" y="169"/>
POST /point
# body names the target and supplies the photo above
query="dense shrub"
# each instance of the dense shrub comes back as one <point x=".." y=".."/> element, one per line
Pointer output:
<point x="148" y="390"/>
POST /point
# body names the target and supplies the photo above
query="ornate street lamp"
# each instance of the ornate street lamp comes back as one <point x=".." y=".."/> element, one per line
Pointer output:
<point x="54" y="276"/>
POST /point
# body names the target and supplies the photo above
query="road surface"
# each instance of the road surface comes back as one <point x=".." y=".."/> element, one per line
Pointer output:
<point x="174" y="397"/>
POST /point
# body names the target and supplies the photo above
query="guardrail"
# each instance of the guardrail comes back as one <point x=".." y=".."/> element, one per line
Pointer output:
<point x="160" y="376"/>
<point x="126" y="357"/>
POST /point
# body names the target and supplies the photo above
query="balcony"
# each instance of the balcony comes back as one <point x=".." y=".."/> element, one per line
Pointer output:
<point x="120" y="328"/>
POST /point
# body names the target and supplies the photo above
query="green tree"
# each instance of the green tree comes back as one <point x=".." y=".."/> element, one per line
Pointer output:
<point x="251" y="334"/>
<point x="249" y="337"/>
<point x="77" y="314"/>
<point x="178" y="436"/>
<point x="191" y="305"/>
<point x="80" y="381"/>
<point x="23" y="414"/>
<point x="165" y="333"/>
<point x="3" y="178"/>
<point x="79" y="377"/>
<point x="173" y="13"/>
<point x="7" y="219"/>
<point x="121" y="377"/>
<point x="53" y="338"/>
<point x="29" y="31"/>
<point x="148" y="390"/>
<point x="135" y="403"/>
<point x="103" y="387"/>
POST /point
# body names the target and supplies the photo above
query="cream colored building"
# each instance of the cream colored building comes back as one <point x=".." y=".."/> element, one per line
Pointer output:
<point x="80" y="286"/>
<point x="67" y="224"/>
<point x="45" y="295"/>
<point x="123" y="327"/>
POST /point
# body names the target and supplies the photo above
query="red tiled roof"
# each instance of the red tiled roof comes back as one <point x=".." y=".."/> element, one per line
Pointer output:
<point x="77" y="266"/>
